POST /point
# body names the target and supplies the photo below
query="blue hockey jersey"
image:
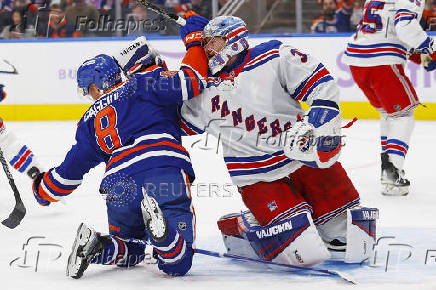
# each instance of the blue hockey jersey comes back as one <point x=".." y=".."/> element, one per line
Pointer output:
<point x="131" y="128"/>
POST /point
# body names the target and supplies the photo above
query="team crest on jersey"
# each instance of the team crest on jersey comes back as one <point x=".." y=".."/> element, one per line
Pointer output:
<point x="272" y="205"/>
<point x="182" y="226"/>
<point x="168" y="73"/>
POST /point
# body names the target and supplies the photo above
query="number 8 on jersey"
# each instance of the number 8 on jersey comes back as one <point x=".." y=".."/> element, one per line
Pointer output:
<point x="105" y="123"/>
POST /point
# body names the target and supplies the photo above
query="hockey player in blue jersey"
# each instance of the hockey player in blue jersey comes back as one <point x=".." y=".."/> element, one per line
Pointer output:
<point x="133" y="127"/>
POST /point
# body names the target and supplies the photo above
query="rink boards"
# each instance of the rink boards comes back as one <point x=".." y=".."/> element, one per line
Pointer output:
<point x="39" y="75"/>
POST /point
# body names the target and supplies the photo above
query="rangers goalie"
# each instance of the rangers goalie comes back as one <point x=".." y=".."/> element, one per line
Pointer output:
<point x="303" y="208"/>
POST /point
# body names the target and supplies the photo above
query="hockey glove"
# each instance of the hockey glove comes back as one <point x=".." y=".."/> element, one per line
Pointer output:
<point x="426" y="47"/>
<point x="191" y="33"/>
<point x="36" y="186"/>
<point x="136" y="55"/>
<point x="316" y="141"/>
<point x="431" y="66"/>
<point x="2" y="93"/>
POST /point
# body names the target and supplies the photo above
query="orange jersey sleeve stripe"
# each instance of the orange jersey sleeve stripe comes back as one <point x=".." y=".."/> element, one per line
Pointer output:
<point x="50" y="184"/>
<point x="138" y="148"/>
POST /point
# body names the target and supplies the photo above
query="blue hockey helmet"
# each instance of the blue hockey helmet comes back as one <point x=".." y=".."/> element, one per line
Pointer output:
<point x="234" y="31"/>
<point x="102" y="70"/>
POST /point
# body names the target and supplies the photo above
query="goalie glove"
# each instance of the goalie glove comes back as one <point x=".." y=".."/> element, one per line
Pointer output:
<point x="138" y="54"/>
<point x="316" y="141"/>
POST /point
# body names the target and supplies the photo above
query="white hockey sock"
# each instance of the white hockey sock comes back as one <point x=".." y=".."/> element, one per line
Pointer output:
<point x="400" y="131"/>
<point x="384" y="129"/>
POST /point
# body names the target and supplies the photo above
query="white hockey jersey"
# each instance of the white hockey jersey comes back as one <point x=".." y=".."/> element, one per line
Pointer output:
<point x="386" y="33"/>
<point x="253" y="103"/>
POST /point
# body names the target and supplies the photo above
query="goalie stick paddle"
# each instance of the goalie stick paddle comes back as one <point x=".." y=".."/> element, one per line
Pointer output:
<point x="179" y="20"/>
<point x="19" y="210"/>
<point x="332" y="273"/>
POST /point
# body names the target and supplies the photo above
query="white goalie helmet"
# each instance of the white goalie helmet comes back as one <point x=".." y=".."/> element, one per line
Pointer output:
<point x="234" y="31"/>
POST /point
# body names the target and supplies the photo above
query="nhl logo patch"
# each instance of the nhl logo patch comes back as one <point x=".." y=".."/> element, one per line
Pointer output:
<point x="272" y="205"/>
<point x="182" y="226"/>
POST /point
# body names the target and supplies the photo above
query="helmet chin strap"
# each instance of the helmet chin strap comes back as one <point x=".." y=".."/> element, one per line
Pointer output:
<point x="220" y="60"/>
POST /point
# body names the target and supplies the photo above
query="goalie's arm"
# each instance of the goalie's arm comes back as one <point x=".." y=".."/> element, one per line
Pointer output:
<point x="306" y="79"/>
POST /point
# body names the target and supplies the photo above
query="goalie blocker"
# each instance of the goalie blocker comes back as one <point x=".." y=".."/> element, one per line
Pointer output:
<point x="296" y="241"/>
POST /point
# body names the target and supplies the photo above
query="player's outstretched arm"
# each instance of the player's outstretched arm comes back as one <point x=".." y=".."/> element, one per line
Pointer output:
<point x="60" y="181"/>
<point x="190" y="80"/>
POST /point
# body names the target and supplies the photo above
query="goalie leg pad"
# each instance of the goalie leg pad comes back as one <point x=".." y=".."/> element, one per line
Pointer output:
<point x="293" y="240"/>
<point x="361" y="234"/>
<point x="231" y="227"/>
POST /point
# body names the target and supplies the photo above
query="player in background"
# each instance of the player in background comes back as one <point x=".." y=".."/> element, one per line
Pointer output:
<point x="16" y="153"/>
<point x="376" y="54"/>
<point x="298" y="212"/>
<point x="133" y="127"/>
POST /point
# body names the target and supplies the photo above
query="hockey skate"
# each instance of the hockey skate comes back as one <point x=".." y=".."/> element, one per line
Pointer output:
<point x="392" y="179"/>
<point x="85" y="247"/>
<point x="155" y="223"/>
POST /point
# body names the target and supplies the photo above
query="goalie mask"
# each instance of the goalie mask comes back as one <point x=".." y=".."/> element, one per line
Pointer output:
<point x="235" y="33"/>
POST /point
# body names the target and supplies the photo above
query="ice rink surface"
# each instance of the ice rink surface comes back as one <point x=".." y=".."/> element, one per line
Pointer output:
<point x="34" y="255"/>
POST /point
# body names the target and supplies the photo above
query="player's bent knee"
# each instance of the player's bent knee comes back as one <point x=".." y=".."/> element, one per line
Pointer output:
<point x="292" y="240"/>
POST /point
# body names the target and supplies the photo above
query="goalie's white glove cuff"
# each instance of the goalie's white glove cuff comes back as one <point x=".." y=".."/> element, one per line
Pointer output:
<point x="136" y="54"/>
<point x="316" y="141"/>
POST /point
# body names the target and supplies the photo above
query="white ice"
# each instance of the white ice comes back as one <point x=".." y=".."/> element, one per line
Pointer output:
<point x="409" y="221"/>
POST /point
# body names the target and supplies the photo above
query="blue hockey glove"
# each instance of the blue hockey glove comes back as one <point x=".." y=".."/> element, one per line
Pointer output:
<point x="2" y="93"/>
<point x="37" y="191"/>
<point x="426" y="47"/>
<point x="431" y="66"/>
<point x="191" y="33"/>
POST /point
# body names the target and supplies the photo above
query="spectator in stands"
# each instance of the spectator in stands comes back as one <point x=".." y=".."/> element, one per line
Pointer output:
<point x="16" y="29"/>
<point x="203" y="7"/>
<point x="428" y="20"/>
<point x="175" y="6"/>
<point x="83" y="10"/>
<point x="357" y="14"/>
<point x="5" y="13"/>
<point x="142" y="24"/>
<point x="58" y="25"/>
<point x="180" y="6"/>
<point x="333" y="19"/>
<point x="221" y="3"/>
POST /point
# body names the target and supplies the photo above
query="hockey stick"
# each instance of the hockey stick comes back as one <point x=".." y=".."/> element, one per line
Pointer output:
<point x="19" y="210"/>
<point x="333" y="273"/>
<point x="179" y="20"/>
<point x="324" y="271"/>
